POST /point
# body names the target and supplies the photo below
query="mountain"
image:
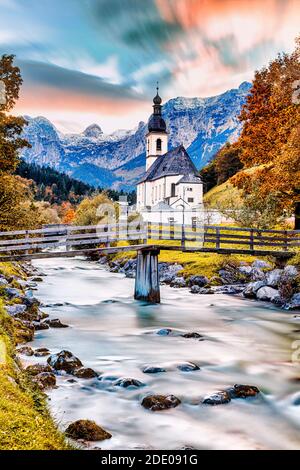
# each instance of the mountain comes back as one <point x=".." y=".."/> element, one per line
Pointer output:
<point x="117" y="160"/>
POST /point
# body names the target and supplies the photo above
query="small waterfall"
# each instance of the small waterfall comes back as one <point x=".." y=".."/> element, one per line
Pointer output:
<point x="147" y="280"/>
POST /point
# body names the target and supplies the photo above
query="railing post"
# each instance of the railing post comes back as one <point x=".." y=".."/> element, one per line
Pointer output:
<point x="183" y="237"/>
<point x="27" y="242"/>
<point x="217" y="238"/>
<point x="171" y="229"/>
<point x="160" y="231"/>
<point x="149" y="230"/>
<point x="252" y="239"/>
<point x="286" y="243"/>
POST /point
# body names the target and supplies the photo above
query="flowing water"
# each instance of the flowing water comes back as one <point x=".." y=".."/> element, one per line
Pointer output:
<point x="245" y="342"/>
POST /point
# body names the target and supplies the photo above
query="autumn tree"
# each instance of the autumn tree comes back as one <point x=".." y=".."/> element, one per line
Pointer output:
<point x="16" y="205"/>
<point x="269" y="141"/>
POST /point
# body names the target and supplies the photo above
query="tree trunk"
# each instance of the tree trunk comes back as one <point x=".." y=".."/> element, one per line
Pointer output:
<point x="297" y="215"/>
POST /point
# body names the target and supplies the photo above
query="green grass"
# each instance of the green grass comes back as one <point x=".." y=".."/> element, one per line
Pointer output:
<point x="206" y="264"/>
<point x="25" y="422"/>
<point x="221" y="194"/>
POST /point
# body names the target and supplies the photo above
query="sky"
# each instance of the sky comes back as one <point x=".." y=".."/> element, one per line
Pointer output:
<point x="98" y="61"/>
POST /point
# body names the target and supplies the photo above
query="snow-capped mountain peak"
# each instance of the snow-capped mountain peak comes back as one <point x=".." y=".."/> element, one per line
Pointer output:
<point x="202" y="125"/>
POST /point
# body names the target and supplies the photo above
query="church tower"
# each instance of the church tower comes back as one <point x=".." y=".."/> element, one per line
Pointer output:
<point x="157" y="137"/>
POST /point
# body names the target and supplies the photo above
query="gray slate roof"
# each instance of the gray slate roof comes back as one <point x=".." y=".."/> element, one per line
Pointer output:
<point x="174" y="162"/>
<point x="190" y="178"/>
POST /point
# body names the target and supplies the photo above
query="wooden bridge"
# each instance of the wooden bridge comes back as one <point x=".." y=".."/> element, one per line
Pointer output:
<point x="147" y="239"/>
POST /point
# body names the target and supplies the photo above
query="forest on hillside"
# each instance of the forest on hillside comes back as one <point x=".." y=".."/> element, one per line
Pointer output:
<point x="264" y="163"/>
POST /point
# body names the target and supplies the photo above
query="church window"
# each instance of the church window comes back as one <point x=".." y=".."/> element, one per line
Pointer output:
<point x="173" y="190"/>
<point x="159" y="191"/>
<point x="158" y="144"/>
<point x="190" y="199"/>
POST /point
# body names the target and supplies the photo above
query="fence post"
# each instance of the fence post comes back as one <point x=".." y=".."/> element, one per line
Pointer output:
<point x="27" y="241"/>
<point x="252" y="239"/>
<point x="160" y="231"/>
<point x="183" y="237"/>
<point x="172" y="229"/>
<point x="217" y="238"/>
<point x="286" y="243"/>
<point x="149" y="230"/>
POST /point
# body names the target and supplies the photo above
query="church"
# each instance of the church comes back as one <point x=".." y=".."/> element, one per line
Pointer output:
<point x="171" y="181"/>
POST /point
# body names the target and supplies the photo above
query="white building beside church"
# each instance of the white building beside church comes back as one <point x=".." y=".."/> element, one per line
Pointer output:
<point x="171" y="183"/>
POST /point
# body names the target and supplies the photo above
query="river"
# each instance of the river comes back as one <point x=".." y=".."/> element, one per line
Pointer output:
<point x="245" y="342"/>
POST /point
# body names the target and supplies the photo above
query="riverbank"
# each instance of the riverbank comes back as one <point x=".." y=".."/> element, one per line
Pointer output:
<point x="25" y="420"/>
<point x="246" y="276"/>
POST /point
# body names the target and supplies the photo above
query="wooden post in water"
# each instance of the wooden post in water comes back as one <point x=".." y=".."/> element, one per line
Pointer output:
<point x="147" y="279"/>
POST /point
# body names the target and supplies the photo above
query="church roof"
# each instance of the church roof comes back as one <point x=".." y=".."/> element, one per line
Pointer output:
<point x="174" y="162"/>
<point x="190" y="178"/>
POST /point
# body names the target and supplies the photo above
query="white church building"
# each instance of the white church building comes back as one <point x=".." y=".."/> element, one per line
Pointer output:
<point x="171" y="183"/>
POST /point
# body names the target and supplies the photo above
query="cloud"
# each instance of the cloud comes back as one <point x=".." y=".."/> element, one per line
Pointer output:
<point x="72" y="81"/>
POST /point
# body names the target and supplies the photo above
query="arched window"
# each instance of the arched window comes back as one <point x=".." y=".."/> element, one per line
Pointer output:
<point x="158" y="144"/>
<point x="173" y="190"/>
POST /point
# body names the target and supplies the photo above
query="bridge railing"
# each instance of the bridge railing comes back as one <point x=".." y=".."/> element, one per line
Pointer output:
<point x="187" y="236"/>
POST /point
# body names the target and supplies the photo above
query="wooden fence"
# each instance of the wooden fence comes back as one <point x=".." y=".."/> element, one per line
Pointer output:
<point x="206" y="238"/>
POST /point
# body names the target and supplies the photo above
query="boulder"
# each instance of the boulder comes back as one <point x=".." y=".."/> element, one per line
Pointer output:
<point x="268" y="293"/>
<point x="85" y="373"/>
<point x="160" y="402"/>
<point x="245" y="270"/>
<point x="13" y="293"/>
<point x="128" y="382"/>
<point x="40" y="325"/>
<point x="193" y="334"/>
<point x="41" y="352"/>
<point x="242" y="391"/>
<point x="205" y="290"/>
<point x="273" y="278"/>
<point x="168" y="272"/>
<point x="36" y="369"/>
<point x="200" y="281"/>
<point x="26" y="351"/>
<point x="45" y="380"/>
<point x="153" y="369"/>
<point x="24" y="331"/>
<point x="188" y="367"/>
<point x="37" y="279"/>
<point x="164" y="332"/>
<point x="251" y="289"/>
<point x="15" y="310"/>
<point x="294" y="303"/>
<point x="195" y="289"/>
<point x="257" y="274"/>
<point x="178" y="282"/>
<point x="87" y="430"/>
<point x="290" y="272"/>
<point x="3" y="281"/>
<point x="218" y="398"/>
<point x="64" y="360"/>
<point x="261" y="264"/>
<point x="55" y="323"/>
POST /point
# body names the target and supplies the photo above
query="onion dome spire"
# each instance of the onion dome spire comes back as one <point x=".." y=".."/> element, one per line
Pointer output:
<point x="156" y="123"/>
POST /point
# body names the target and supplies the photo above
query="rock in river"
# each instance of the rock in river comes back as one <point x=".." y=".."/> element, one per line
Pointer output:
<point x="64" y="360"/>
<point x="153" y="370"/>
<point x="55" y="323"/>
<point x="45" y="380"/>
<point x="87" y="430"/>
<point x="128" y="382"/>
<point x="160" y="402"/>
<point x="188" y="367"/>
<point x="242" y="391"/>
<point x="36" y="369"/>
<point x="85" y="373"/>
<point x="26" y="350"/>
<point x="164" y="332"/>
<point x="218" y="398"/>
<point x="41" y="352"/>
<point x="192" y="334"/>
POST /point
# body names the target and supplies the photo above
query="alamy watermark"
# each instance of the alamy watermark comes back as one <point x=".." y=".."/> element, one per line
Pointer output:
<point x="296" y="93"/>
<point x="2" y="92"/>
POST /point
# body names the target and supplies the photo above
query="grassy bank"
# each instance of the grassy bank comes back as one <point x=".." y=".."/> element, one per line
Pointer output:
<point x="25" y="422"/>
<point x="206" y="264"/>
